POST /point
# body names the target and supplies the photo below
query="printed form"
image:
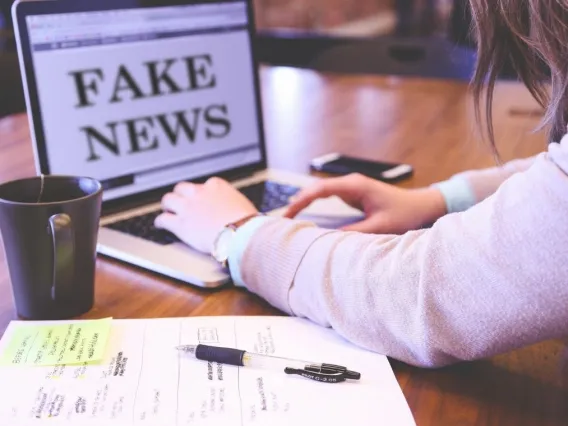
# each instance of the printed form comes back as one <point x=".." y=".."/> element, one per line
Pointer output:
<point x="142" y="379"/>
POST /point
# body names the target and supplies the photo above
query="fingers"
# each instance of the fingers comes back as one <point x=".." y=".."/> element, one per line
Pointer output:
<point x="350" y="188"/>
<point x="214" y="181"/>
<point x="186" y="189"/>
<point x="173" y="202"/>
<point x="305" y="197"/>
<point x="168" y="221"/>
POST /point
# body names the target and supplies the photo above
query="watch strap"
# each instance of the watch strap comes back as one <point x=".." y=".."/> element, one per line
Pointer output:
<point x="236" y="225"/>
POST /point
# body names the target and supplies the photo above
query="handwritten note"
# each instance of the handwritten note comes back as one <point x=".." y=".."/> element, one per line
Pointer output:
<point x="57" y="344"/>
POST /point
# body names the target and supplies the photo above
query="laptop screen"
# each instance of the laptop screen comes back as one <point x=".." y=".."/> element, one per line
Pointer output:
<point x="143" y="98"/>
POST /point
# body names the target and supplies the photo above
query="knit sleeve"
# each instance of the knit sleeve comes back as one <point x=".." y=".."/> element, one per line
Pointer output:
<point x="478" y="283"/>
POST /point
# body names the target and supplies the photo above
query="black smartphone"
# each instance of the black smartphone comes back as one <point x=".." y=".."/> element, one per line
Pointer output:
<point x="339" y="164"/>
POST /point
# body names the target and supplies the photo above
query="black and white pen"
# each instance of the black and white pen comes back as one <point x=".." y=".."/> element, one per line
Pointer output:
<point x="321" y="372"/>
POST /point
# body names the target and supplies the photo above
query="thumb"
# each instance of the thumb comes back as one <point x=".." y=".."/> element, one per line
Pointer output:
<point x="370" y="225"/>
<point x="349" y="188"/>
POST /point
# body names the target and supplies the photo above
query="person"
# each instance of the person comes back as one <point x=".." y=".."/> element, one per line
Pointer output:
<point x="489" y="276"/>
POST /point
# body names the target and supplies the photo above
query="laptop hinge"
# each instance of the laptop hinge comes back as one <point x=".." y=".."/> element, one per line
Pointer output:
<point x="232" y="177"/>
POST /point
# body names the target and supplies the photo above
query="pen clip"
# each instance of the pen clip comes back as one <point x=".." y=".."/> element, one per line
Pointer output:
<point x="327" y="373"/>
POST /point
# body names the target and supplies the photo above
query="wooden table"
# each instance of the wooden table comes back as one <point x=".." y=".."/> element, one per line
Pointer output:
<point x="428" y="124"/>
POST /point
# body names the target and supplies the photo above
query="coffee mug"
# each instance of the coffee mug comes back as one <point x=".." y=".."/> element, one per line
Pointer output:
<point x="49" y="227"/>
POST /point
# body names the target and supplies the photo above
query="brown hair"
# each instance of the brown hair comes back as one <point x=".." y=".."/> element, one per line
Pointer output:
<point x="524" y="34"/>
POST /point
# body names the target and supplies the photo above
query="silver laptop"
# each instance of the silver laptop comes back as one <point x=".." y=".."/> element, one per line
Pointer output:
<point x="143" y="96"/>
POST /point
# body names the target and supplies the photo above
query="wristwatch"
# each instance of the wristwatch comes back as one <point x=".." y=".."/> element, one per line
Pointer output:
<point x="222" y="244"/>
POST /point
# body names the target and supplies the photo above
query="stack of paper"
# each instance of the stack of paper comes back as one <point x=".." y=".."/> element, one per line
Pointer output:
<point x="128" y="372"/>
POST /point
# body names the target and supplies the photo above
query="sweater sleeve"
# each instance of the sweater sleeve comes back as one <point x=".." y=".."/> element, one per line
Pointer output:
<point x="478" y="283"/>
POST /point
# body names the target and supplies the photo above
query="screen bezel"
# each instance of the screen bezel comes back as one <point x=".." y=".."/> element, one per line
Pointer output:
<point x="22" y="9"/>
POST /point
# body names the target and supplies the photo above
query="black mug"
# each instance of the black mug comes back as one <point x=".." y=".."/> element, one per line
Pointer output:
<point x="49" y="226"/>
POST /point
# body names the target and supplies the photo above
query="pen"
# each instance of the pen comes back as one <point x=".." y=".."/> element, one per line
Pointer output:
<point x="327" y="373"/>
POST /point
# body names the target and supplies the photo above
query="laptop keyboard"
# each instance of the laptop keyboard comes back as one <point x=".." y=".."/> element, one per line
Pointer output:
<point x="143" y="227"/>
<point x="266" y="196"/>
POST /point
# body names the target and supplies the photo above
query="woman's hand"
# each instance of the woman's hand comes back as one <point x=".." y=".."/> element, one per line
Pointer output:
<point x="388" y="209"/>
<point x="196" y="214"/>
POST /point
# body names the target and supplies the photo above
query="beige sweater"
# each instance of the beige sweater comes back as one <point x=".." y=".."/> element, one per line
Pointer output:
<point x="477" y="283"/>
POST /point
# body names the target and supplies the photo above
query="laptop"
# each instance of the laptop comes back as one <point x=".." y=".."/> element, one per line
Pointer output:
<point x="141" y="95"/>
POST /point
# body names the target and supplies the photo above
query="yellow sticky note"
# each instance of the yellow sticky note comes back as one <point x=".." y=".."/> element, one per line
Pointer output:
<point x="59" y="343"/>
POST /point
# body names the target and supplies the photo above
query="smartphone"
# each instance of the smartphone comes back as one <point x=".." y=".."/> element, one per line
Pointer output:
<point x="339" y="164"/>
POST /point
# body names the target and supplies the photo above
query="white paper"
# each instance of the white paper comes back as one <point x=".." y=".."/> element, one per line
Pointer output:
<point x="145" y="381"/>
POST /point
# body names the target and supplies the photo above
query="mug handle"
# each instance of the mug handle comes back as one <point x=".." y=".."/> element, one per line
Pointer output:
<point x="61" y="229"/>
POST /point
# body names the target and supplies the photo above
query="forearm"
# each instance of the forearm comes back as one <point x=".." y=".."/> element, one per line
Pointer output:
<point x="476" y="284"/>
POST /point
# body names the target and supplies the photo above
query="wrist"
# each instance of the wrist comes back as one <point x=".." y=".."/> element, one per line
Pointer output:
<point x="239" y="245"/>
<point x="223" y="242"/>
<point x="432" y="202"/>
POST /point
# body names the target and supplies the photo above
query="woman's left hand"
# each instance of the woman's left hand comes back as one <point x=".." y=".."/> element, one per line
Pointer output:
<point x="197" y="213"/>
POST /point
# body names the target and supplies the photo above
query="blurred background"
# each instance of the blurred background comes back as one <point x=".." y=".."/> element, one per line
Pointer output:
<point x="426" y="38"/>
<point x="367" y="18"/>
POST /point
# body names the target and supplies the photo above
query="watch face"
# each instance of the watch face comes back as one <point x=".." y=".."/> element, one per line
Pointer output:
<point x="222" y="245"/>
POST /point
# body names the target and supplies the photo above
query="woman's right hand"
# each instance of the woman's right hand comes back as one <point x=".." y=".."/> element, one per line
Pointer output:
<point x="388" y="209"/>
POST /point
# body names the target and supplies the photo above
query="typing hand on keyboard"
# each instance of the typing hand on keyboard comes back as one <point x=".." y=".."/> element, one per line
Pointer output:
<point x="265" y="197"/>
<point x="197" y="213"/>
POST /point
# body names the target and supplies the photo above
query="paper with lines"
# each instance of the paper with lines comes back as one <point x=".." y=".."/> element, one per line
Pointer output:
<point x="143" y="380"/>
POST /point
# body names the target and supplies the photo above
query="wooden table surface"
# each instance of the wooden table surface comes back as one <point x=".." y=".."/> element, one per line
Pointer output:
<point x="428" y="124"/>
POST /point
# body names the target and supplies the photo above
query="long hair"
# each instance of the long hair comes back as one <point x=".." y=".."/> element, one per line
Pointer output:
<point x="524" y="34"/>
